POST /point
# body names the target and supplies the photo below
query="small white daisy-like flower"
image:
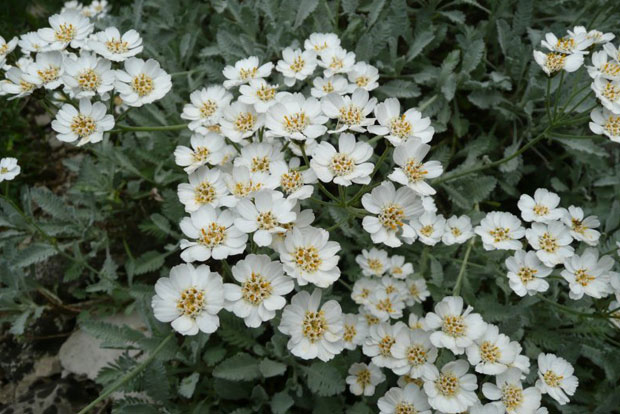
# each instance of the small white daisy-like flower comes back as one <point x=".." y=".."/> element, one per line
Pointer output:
<point x="212" y="234"/>
<point x="386" y="305"/>
<point x="245" y="70"/>
<point x="206" y="106"/>
<point x="243" y="183"/>
<point x="259" y="156"/>
<point x="303" y="220"/>
<point x="296" y="65"/>
<point x="552" y="62"/>
<point x="113" y="46"/>
<point x="457" y="230"/>
<point x="417" y="291"/>
<point x="260" y="292"/>
<point x="551" y="242"/>
<point x="374" y="262"/>
<point x="612" y="51"/>
<point x="390" y="209"/>
<point x="391" y="285"/>
<point x="316" y="331"/>
<point x="411" y="171"/>
<point x="399" y="128"/>
<point x="458" y="329"/>
<point x="47" y="70"/>
<point x="605" y="122"/>
<point x="350" y="111"/>
<point x="295" y="116"/>
<point x="240" y="121"/>
<point x="324" y="86"/>
<point x="295" y="183"/>
<point x="309" y="257"/>
<point x="575" y="42"/>
<point x="429" y="227"/>
<point x="336" y="60"/>
<point x="608" y="92"/>
<point x="410" y="399"/>
<point x="267" y="215"/>
<point x="364" y="76"/>
<point x="9" y="169"/>
<point x="31" y="42"/>
<point x="500" y="230"/>
<point x="345" y="166"/>
<point x="142" y="82"/>
<point x="86" y="123"/>
<point x="555" y="377"/>
<point x="414" y="353"/>
<point x="597" y="37"/>
<point x="6" y="48"/>
<point x="588" y="275"/>
<point x="415" y="322"/>
<point x="398" y="268"/>
<point x="206" y="186"/>
<point x="69" y="28"/>
<point x="526" y="273"/>
<point x="190" y="299"/>
<point x="260" y="94"/>
<point x="368" y="318"/>
<point x="204" y="149"/>
<point x="493" y="352"/>
<point x="510" y="395"/>
<point x="364" y="378"/>
<point x="98" y="8"/>
<point x="542" y="208"/>
<point x="355" y="331"/>
<point x="379" y="341"/>
<point x="318" y="42"/>
<point x="451" y="390"/>
<point x="484" y="409"/>
<point x="581" y="228"/>
<point x="87" y="76"/>
<point x="362" y="289"/>
<point x="17" y="83"/>
<point x="601" y="66"/>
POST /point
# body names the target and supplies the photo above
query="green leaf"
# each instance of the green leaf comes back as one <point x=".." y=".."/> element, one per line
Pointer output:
<point x="374" y="10"/>
<point x="269" y="368"/>
<point x="35" y="253"/>
<point x="306" y="7"/>
<point x="148" y="262"/>
<point x="350" y="6"/>
<point x="241" y="367"/>
<point x="52" y="204"/>
<point x="188" y="385"/>
<point x="419" y="43"/>
<point x="324" y="379"/>
<point x="281" y="402"/>
<point x="400" y="89"/>
<point x="523" y="16"/>
<point x="472" y="56"/>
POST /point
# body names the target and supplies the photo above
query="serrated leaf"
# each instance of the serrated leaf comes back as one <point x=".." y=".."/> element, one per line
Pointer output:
<point x="281" y="402"/>
<point x="35" y="253"/>
<point x="350" y="6"/>
<point x="420" y="41"/>
<point x="324" y="379"/>
<point x="241" y="367"/>
<point x="188" y="385"/>
<point x="148" y="262"/>
<point x="51" y="203"/>
<point x="585" y="145"/>
<point x="400" y="89"/>
<point x="269" y="368"/>
<point x="305" y="8"/>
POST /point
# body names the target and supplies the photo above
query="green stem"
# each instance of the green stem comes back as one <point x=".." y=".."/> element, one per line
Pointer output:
<point x="121" y="128"/>
<point x="129" y="376"/>
<point x="569" y="310"/>
<point x="459" y="280"/>
<point x="366" y="187"/>
<point x="548" y="109"/>
<point x="324" y="190"/>
<point x="558" y="91"/>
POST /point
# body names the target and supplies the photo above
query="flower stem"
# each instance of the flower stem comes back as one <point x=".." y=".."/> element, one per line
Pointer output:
<point x="459" y="280"/>
<point x="121" y="128"/>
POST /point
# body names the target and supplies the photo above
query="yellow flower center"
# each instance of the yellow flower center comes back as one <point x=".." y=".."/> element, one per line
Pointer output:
<point x="245" y="122"/>
<point x="363" y="378"/>
<point x="540" y="210"/>
<point x="385" y="305"/>
<point x="83" y="125"/>
<point x="350" y="115"/>
<point x="489" y="352"/>
<point x="392" y="216"/>
<point x="447" y="384"/>
<point x="256" y="289"/>
<point x="328" y="87"/>
<point x="4" y="48"/>
<point x="566" y="44"/>
<point x="266" y="220"/>
<point x="205" y="193"/>
<point x="142" y="84"/>
<point x="456" y="232"/>
<point x="291" y="181"/>
<point x="117" y="46"/>
<point x="415" y="170"/>
<point x="248" y="73"/>
<point x="371" y="319"/>
<point x="296" y="122"/>
<point x="266" y="93"/>
<point x="552" y="379"/>
<point x="453" y="325"/>
<point x="260" y="164"/>
<point x="583" y="277"/>
<point x="243" y="189"/>
<point x="66" y="32"/>
<point x="314" y="325"/>
<point x="512" y="397"/>
<point x="555" y="61"/>
<point x="397" y="270"/>
<point x="89" y="80"/>
<point x="336" y="64"/>
<point x="413" y="290"/>
<point x="201" y="153"/>
<point x="400" y="127"/>
<point x="417" y="381"/>
<point x="50" y="74"/>
<point x="610" y="68"/>
<point x="208" y="108"/>
<point x="349" y="333"/>
<point x="362" y="81"/>
<point x="416" y="355"/>
<point x="26" y="86"/>
<point x="405" y="408"/>
<point x="427" y="230"/>
<point x="192" y="302"/>
<point x="212" y="235"/>
<point x="385" y="345"/>
<point x="298" y="64"/>
<point x="341" y="165"/>
<point x="307" y="259"/>
<point x="548" y="243"/>
<point x="500" y="234"/>
<point x="4" y="170"/>
<point x="612" y="125"/>
<point x="375" y="265"/>
<point x="526" y="274"/>
<point x="611" y="92"/>
<point x="320" y="46"/>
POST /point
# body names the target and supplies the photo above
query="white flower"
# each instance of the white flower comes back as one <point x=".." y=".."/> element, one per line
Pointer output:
<point x="9" y="169"/>
<point x="379" y="341"/>
<point x="555" y="377"/>
<point x="324" y="86"/>
<point x="452" y="390"/>
<point x="97" y="8"/>
<point x="551" y="242"/>
<point x="459" y="329"/>
<point x="552" y="62"/>
<point x="362" y="289"/>
<point x="526" y="273"/>
<point x="336" y="60"/>
<point x="575" y="42"/>
<point x="500" y="230"/>
<point x="86" y="124"/>
<point x="608" y="92"/>
<point x="190" y="298"/>
<point x="69" y="28"/>
<point x="581" y="228"/>
<point x="295" y="116"/>
<point x="374" y="262"/>
<point x="492" y="353"/>
<point x="111" y="45"/>
<point x="391" y="208"/>
<point x="417" y="291"/>
<point x="485" y="409"/>
<point x="318" y="42"/>
<point x="303" y="220"/>
<point x="260" y="94"/>
<point x="142" y="82"/>
<point x="31" y="42"/>
<point x="411" y="171"/>
<point x="296" y="184"/>
<point x="386" y="305"/>
<point x="17" y="83"/>
<point x="350" y="111"/>
<point x="602" y="67"/>
<point x="429" y="227"/>
<point x="316" y="331"/>
<point x="240" y="121"/>
<point x="296" y="65"/>
<point x="267" y="215"/>
<point x="206" y="186"/>
<point x="244" y="71"/>
<point x="605" y="122"/>
<point x="213" y="235"/>
<point x="46" y="70"/>
<point x="364" y="76"/>
<point x="391" y="285"/>
<point x="398" y="268"/>
<point x="612" y="51"/>
<point x="206" y="106"/>
<point x="260" y="292"/>
<point x="6" y="48"/>
<point x="355" y="331"/>
<point x="87" y="76"/>
<point x="364" y="378"/>
<point x="511" y="396"/>
<point x="613" y="308"/>
<point x="457" y="230"/>
<point x="259" y="156"/>
<point x="344" y="166"/>
<point x="587" y="274"/>
<point x="205" y="149"/>
<point x="542" y="208"/>
<point x="409" y="399"/>
<point x="398" y="128"/>
<point x="415" y="322"/>
<point x="414" y="353"/>
<point x="309" y="257"/>
<point x="597" y="37"/>
<point x="243" y="183"/>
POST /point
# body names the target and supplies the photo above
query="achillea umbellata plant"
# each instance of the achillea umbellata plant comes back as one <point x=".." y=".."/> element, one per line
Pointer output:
<point x="353" y="206"/>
